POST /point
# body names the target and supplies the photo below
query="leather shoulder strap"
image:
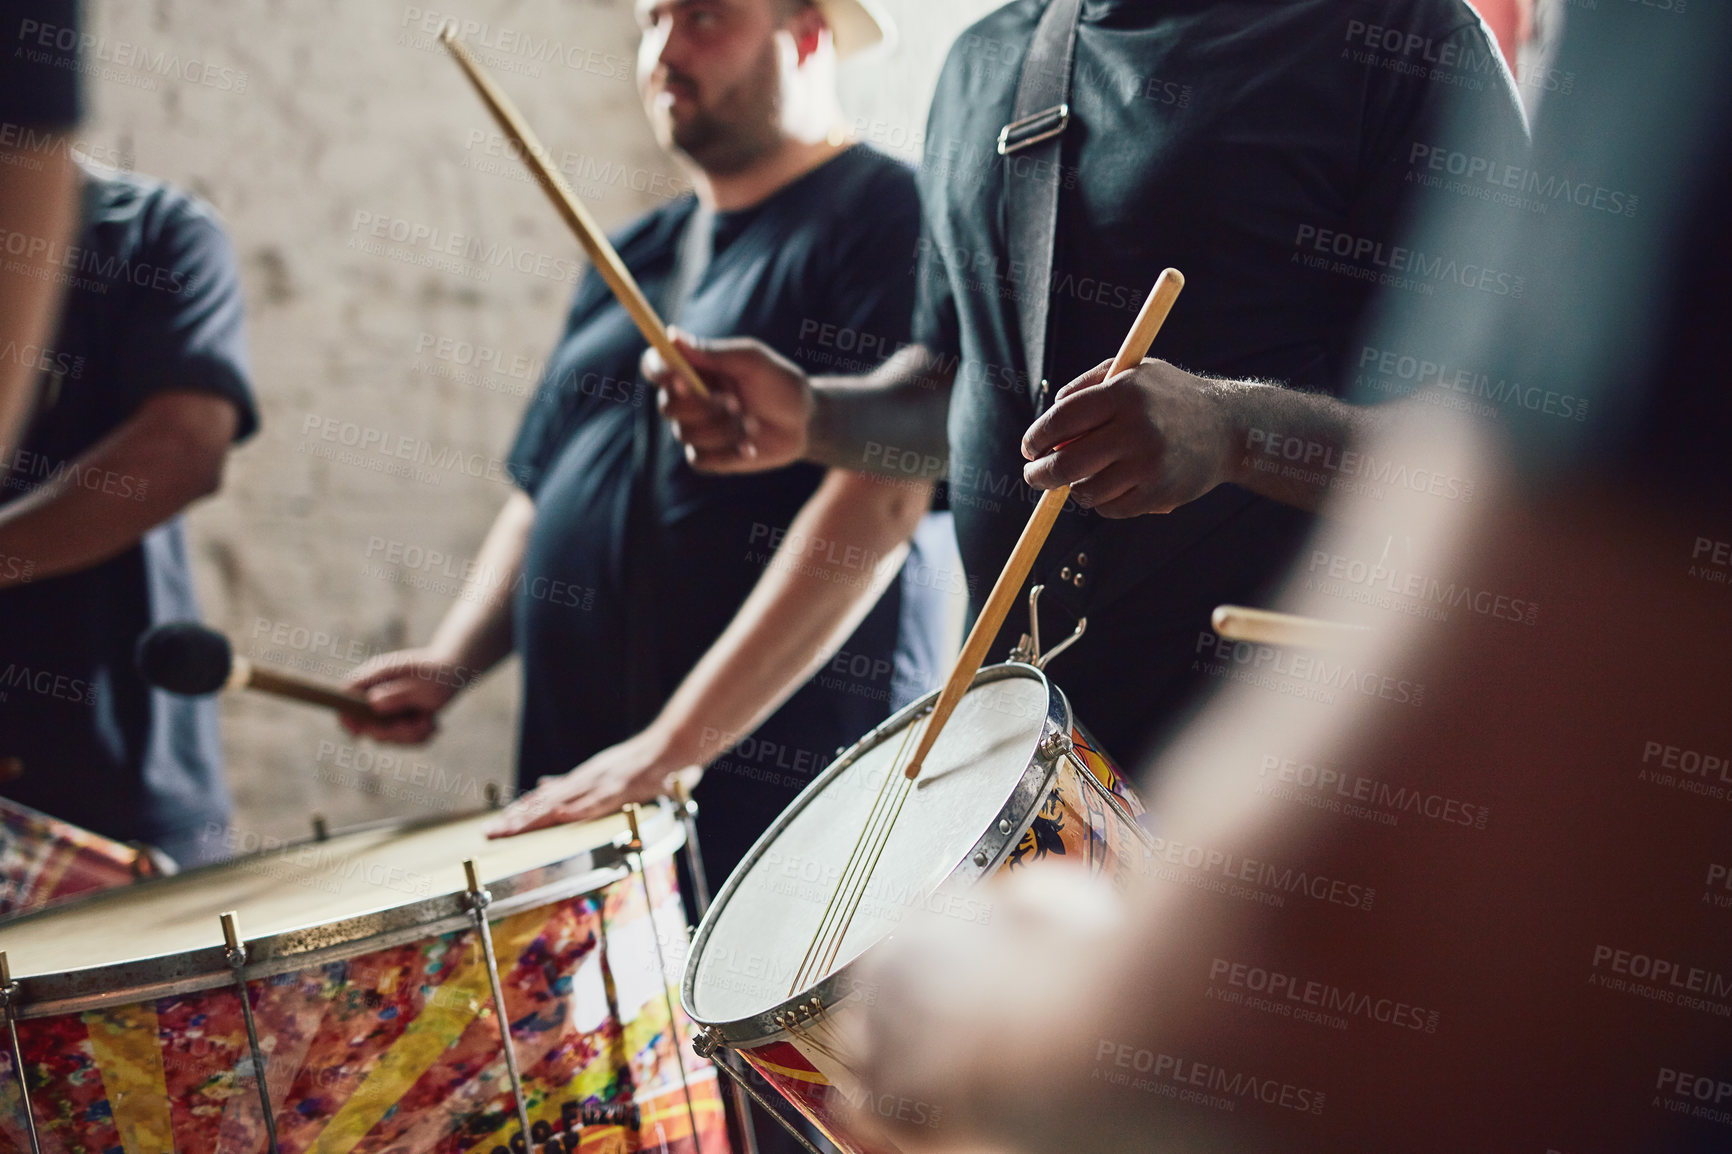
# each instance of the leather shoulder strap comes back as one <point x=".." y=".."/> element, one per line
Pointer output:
<point x="1032" y="145"/>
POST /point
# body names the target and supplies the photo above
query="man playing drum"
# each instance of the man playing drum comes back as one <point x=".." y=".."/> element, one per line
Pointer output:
<point x="617" y="564"/>
<point x="1271" y="153"/>
<point x="142" y="391"/>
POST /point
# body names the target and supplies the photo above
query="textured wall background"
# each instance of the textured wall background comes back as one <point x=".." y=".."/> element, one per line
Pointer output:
<point x="312" y="125"/>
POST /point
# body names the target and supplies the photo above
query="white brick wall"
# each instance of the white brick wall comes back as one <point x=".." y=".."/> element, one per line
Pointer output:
<point x="296" y="119"/>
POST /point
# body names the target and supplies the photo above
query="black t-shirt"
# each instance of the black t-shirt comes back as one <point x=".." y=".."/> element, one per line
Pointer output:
<point x="819" y="272"/>
<point x="1265" y="148"/>
<point x="152" y="304"/>
<point x="38" y="67"/>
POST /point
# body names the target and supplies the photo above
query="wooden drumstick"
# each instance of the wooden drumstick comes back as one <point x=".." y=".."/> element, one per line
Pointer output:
<point x="1266" y="627"/>
<point x="595" y="243"/>
<point x="1008" y="588"/>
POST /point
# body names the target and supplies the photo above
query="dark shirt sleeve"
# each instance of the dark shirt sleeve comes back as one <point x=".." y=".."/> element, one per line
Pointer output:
<point x="186" y="328"/>
<point x="1411" y="119"/>
<point x="875" y="295"/>
<point x="38" y="66"/>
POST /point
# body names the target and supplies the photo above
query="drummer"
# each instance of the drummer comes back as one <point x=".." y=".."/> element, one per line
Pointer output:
<point x="142" y="392"/>
<point x="616" y="565"/>
<point x="1249" y="146"/>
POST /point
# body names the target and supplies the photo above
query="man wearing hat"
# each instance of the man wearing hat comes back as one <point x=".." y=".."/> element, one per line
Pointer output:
<point x="616" y="566"/>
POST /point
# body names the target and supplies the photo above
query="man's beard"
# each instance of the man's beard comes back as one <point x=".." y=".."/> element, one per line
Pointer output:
<point x="736" y="128"/>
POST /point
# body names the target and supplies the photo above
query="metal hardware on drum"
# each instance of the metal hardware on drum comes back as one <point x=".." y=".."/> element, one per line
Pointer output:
<point x="634" y="857"/>
<point x="1027" y="650"/>
<point x="8" y="996"/>
<point x="478" y="901"/>
<point x="321" y="830"/>
<point x="491" y="795"/>
<point x="235" y="951"/>
<point x="708" y="1045"/>
<point x="1033" y="779"/>
<point x="688" y="811"/>
<point x="147" y="954"/>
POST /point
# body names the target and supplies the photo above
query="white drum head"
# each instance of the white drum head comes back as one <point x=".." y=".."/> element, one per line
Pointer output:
<point x="298" y="887"/>
<point x="758" y="933"/>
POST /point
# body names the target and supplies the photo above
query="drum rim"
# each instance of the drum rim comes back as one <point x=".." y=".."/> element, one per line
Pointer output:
<point x="1020" y="811"/>
<point x="190" y="971"/>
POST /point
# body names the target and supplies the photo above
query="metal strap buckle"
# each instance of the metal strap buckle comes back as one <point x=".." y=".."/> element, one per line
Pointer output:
<point x="1031" y="130"/>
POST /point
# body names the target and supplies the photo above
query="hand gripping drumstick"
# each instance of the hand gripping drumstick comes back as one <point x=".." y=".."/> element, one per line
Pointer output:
<point x="1266" y="627"/>
<point x="1006" y="590"/>
<point x="589" y="235"/>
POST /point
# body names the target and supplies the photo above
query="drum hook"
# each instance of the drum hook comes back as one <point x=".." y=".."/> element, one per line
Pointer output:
<point x="1027" y="650"/>
<point x="235" y="953"/>
<point x="9" y="1006"/>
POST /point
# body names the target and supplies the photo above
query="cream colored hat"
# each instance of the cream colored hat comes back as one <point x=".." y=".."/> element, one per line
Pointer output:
<point x="855" y="25"/>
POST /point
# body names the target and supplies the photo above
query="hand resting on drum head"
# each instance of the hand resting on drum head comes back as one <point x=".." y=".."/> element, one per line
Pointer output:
<point x="639" y="769"/>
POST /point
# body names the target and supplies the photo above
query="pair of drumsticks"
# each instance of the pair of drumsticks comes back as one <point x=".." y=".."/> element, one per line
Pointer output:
<point x="1232" y="622"/>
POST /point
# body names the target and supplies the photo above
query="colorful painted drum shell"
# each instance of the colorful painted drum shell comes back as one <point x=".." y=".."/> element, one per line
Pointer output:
<point x="399" y="1048"/>
<point x="45" y="860"/>
<point x="1086" y="815"/>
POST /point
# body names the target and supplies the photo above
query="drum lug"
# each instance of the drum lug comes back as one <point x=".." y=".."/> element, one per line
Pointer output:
<point x="1056" y="745"/>
<point x="9" y="1010"/>
<point x="706" y="1042"/>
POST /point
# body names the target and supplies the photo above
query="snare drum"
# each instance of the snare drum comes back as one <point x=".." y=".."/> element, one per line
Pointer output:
<point x="1013" y="779"/>
<point x="374" y="1000"/>
<point x="44" y="860"/>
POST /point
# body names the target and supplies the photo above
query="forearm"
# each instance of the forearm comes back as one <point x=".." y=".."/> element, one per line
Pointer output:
<point x="891" y="422"/>
<point x="476" y="632"/>
<point x="839" y="555"/>
<point x="166" y="457"/>
<point x="39" y="205"/>
<point x="1288" y="445"/>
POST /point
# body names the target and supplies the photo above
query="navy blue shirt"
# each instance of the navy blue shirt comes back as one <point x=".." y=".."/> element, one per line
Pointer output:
<point x="820" y="272"/>
<point x="1266" y="149"/>
<point x="153" y="304"/>
<point x="39" y="79"/>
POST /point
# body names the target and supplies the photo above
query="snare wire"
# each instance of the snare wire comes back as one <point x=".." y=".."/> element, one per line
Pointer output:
<point x="856" y="876"/>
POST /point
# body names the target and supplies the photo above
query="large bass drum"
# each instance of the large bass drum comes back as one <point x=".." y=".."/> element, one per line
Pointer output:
<point x="372" y="1002"/>
<point x="1013" y="779"/>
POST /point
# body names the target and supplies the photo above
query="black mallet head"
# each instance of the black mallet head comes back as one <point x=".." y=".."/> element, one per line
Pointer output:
<point x="184" y="657"/>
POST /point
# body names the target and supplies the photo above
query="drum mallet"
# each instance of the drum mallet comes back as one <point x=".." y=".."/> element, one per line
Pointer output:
<point x="185" y="657"/>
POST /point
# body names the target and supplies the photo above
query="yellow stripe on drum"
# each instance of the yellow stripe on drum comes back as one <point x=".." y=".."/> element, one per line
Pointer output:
<point x="448" y="1014"/>
<point x="799" y="1075"/>
<point x="124" y="1044"/>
